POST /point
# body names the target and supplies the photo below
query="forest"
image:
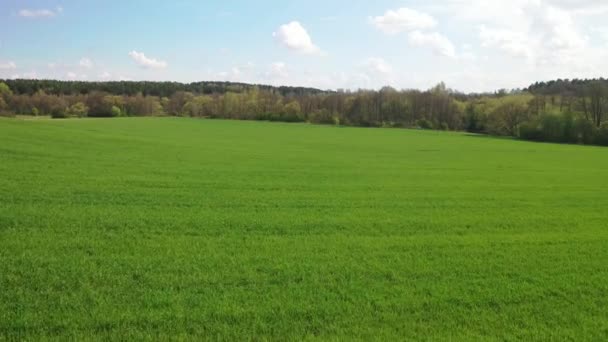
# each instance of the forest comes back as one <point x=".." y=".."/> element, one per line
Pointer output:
<point x="564" y="111"/>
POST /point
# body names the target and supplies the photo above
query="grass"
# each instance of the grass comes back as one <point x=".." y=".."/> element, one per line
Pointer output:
<point x="157" y="228"/>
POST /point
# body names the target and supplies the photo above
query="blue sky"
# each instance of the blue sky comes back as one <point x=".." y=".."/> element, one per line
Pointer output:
<point x="472" y="45"/>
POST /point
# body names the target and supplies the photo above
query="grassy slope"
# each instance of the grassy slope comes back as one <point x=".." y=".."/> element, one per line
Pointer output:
<point x="176" y="227"/>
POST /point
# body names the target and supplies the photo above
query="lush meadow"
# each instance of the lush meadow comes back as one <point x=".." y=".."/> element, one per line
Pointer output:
<point x="185" y="228"/>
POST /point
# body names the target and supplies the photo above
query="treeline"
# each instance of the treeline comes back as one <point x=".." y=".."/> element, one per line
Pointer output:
<point x="558" y="111"/>
<point x="130" y="88"/>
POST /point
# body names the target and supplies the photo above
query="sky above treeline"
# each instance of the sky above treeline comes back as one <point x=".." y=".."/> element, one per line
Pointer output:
<point x="471" y="45"/>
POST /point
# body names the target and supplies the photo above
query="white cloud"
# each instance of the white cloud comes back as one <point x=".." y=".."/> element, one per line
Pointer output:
<point x="526" y="28"/>
<point x="39" y="13"/>
<point x="10" y="65"/>
<point x="86" y="63"/>
<point x="377" y="65"/>
<point x="415" y="23"/>
<point x="72" y="76"/>
<point x="402" y="20"/>
<point x="374" y="72"/>
<point x="295" y="37"/>
<point x="440" y="44"/>
<point x="546" y="33"/>
<point x="602" y="32"/>
<point x="560" y="29"/>
<point x="145" y="62"/>
<point x="28" y="75"/>
<point x="522" y="41"/>
<point x="513" y="42"/>
<point x="583" y="7"/>
<point x="105" y="76"/>
<point x="242" y="73"/>
<point x="467" y="54"/>
<point x="279" y="70"/>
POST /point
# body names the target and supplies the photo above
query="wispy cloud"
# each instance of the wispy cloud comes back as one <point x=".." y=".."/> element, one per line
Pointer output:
<point x="39" y="13"/>
<point x="440" y="44"/>
<point x="86" y="63"/>
<point x="146" y="62"/>
<point x="403" y="19"/>
<point x="10" y="65"/>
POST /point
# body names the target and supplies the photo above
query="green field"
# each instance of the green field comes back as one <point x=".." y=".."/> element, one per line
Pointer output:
<point x="180" y="228"/>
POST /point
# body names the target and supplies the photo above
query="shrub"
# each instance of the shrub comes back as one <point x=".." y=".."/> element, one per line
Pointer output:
<point x="392" y="124"/>
<point x="291" y="118"/>
<point x="570" y="135"/>
<point x="58" y="114"/>
<point x="98" y="106"/>
<point x="292" y="112"/>
<point x="322" y="116"/>
<point x="368" y="123"/>
<point x="5" y="90"/>
<point x="565" y="129"/>
<point x="585" y="131"/>
<point x="424" y="124"/>
<point x="58" y="108"/>
<point x="474" y="120"/>
<point x="558" y="128"/>
<point x="552" y="128"/>
<point x="530" y="131"/>
<point x="4" y="108"/>
<point x="78" y="109"/>
<point x="601" y="136"/>
<point x="116" y="112"/>
<point x="3" y="105"/>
